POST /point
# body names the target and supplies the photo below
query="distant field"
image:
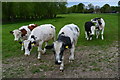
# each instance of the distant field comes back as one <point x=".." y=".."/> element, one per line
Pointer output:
<point x="11" y="48"/>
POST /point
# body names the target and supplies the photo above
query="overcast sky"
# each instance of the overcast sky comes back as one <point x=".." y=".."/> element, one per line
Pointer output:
<point x="94" y="2"/>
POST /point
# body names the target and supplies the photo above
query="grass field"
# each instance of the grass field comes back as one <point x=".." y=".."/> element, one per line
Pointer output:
<point x="11" y="49"/>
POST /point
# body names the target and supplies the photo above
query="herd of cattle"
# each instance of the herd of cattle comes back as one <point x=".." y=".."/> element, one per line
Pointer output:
<point x="34" y="35"/>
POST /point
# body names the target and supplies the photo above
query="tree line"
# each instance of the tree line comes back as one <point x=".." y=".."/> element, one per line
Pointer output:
<point x="16" y="11"/>
<point x="20" y="11"/>
<point x="81" y="8"/>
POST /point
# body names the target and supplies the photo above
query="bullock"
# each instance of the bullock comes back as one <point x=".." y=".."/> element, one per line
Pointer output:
<point x="23" y="32"/>
<point x="38" y="36"/>
<point x="89" y="30"/>
<point x="67" y="39"/>
<point x="100" y="24"/>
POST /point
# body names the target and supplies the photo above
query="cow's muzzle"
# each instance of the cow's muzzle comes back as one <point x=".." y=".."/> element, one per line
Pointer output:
<point x="58" y="62"/>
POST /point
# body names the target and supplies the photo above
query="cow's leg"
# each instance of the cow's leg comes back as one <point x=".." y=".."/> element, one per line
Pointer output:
<point x="46" y="43"/>
<point x="90" y="37"/>
<point x="86" y="36"/>
<point x="72" y="53"/>
<point x="102" y="34"/>
<point x="40" y="49"/>
<point x="97" y="34"/>
<point x="62" y="64"/>
<point x="22" y="48"/>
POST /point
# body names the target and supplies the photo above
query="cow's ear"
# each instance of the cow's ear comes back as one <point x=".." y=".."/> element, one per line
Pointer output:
<point x="11" y="32"/>
<point x="49" y="46"/>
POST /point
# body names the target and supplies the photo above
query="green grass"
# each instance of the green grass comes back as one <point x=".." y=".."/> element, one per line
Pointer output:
<point x="11" y="48"/>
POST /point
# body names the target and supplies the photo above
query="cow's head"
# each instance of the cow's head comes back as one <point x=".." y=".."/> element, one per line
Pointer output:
<point x="58" y="49"/>
<point x="17" y="34"/>
<point x="96" y="20"/>
<point x="28" y="44"/>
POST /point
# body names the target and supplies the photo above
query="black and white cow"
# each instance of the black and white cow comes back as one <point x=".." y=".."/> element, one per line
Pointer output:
<point x="38" y="36"/>
<point x="100" y="24"/>
<point x="67" y="39"/>
<point x="89" y="30"/>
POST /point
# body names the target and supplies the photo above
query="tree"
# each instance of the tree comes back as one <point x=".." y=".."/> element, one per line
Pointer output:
<point x="90" y="8"/>
<point x="62" y="7"/>
<point x="106" y="8"/>
<point x="74" y="9"/>
<point x="97" y="9"/>
<point x="13" y="11"/>
<point x="80" y="8"/>
<point x="119" y="3"/>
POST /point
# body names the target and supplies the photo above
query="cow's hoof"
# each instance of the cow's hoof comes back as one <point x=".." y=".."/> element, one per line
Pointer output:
<point x="61" y="69"/>
<point x="71" y="58"/>
<point x="27" y="54"/>
<point x="39" y="58"/>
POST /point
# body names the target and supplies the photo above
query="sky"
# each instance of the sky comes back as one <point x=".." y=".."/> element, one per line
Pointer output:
<point x="94" y="2"/>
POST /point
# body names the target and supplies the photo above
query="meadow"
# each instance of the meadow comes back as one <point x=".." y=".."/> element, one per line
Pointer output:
<point x="11" y="49"/>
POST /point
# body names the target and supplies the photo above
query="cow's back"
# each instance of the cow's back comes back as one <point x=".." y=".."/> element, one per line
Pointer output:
<point x="71" y="31"/>
<point x="43" y="32"/>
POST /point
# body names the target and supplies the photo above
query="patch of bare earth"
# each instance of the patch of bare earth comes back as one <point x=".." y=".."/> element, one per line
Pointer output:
<point x="90" y="62"/>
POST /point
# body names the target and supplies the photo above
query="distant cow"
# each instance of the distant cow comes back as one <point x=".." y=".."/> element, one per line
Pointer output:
<point x="38" y="36"/>
<point x="67" y="39"/>
<point x="23" y="32"/>
<point x="100" y="24"/>
<point x="89" y="30"/>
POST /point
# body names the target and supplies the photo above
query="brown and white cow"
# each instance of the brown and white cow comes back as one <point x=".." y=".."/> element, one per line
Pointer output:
<point x="23" y="32"/>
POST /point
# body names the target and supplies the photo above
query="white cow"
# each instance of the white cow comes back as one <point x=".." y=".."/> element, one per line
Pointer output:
<point x="67" y="39"/>
<point x="38" y="36"/>
<point x="100" y="24"/>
